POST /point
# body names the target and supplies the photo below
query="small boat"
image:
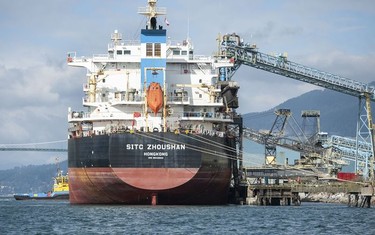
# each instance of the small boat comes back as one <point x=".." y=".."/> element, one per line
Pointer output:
<point x="59" y="191"/>
<point x="155" y="97"/>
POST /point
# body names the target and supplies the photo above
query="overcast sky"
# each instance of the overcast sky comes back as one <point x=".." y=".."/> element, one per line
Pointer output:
<point x="37" y="87"/>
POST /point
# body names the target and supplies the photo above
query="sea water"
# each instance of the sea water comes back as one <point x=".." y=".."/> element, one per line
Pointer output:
<point x="59" y="217"/>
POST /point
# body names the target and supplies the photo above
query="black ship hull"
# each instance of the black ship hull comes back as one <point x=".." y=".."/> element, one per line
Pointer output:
<point x="150" y="168"/>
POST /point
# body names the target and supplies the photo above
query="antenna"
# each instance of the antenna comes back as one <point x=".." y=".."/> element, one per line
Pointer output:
<point x="188" y="23"/>
<point x="151" y="12"/>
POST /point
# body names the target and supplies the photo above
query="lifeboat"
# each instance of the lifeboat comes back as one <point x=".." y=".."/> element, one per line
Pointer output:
<point x="154" y="97"/>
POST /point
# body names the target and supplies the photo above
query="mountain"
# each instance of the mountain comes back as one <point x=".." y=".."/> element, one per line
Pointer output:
<point x="338" y="116"/>
<point x="29" y="179"/>
<point x="338" y="112"/>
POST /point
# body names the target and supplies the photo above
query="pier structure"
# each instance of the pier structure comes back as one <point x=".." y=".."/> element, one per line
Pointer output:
<point x="362" y="198"/>
<point x="272" y="195"/>
<point x="272" y="186"/>
<point x="286" y="186"/>
<point x="232" y="48"/>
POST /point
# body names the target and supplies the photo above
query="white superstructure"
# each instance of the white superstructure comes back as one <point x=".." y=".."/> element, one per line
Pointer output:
<point x="115" y="92"/>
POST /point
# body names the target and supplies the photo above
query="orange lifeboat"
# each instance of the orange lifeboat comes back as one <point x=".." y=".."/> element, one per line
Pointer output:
<point x="154" y="97"/>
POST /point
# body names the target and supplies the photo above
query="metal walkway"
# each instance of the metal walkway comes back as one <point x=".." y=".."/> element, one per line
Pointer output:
<point x="250" y="56"/>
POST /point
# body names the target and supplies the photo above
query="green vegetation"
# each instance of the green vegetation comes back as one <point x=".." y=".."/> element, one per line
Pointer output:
<point x="29" y="179"/>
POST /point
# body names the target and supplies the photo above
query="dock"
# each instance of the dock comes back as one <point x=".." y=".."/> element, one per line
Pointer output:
<point x="272" y="195"/>
<point x="283" y="187"/>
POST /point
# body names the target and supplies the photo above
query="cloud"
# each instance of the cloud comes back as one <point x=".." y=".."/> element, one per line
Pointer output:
<point x="37" y="87"/>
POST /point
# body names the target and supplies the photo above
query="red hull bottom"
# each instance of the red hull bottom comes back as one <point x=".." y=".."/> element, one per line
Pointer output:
<point x="149" y="186"/>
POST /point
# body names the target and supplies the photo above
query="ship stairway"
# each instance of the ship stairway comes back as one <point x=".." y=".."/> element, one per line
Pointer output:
<point x="203" y="67"/>
<point x="169" y="52"/>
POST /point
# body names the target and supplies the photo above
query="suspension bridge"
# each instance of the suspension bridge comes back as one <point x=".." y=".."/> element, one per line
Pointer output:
<point x="50" y="146"/>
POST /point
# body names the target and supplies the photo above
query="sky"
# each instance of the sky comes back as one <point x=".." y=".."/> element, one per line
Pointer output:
<point x="37" y="86"/>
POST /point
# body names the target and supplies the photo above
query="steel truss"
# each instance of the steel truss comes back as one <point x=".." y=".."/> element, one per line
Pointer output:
<point x="238" y="53"/>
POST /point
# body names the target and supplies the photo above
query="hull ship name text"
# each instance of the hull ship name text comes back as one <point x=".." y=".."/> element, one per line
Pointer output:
<point x="155" y="147"/>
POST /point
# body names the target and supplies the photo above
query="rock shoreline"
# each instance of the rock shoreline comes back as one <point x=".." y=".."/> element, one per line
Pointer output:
<point x="340" y="198"/>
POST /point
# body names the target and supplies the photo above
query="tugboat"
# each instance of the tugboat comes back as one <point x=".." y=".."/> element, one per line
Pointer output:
<point x="59" y="191"/>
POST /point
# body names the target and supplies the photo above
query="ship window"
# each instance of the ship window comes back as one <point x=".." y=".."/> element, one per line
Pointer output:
<point x="127" y="52"/>
<point x="183" y="52"/>
<point x="200" y="95"/>
<point x="176" y="52"/>
<point x="157" y="49"/>
<point x="148" y="49"/>
<point x="200" y="80"/>
<point x="119" y="52"/>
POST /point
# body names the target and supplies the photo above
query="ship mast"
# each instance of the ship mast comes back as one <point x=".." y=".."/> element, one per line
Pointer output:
<point x="151" y="11"/>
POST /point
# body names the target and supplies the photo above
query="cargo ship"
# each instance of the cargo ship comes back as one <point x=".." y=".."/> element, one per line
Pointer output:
<point x="156" y="125"/>
<point x="59" y="191"/>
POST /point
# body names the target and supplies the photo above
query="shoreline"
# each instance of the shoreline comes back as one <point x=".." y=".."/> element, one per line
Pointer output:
<point x="324" y="197"/>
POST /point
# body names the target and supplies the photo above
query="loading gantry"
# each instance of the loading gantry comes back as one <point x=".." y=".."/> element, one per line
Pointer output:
<point x="233" y="53"/>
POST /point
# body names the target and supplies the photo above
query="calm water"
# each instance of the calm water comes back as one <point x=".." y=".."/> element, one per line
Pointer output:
<point x="59" y="217"/>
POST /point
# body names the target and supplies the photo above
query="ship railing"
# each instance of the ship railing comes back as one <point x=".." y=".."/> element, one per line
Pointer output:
<point x="186" y="100"/>
<point x="213" y="115"/>
<point x="201" y="57"/>
<point x="135" y="100"/>
<point x="77" y="116"/>
<point x="100" y="56"/>
<point x="178" y="99"/>
<point x="106" y="57"/>
<point x="124" y="43"/>
<point x="147" y="10"/>
<point x="128" y="100"/>
<point x="179" y="43"/>
<point x="72" y="57"/>
<point x="80" y="59"/>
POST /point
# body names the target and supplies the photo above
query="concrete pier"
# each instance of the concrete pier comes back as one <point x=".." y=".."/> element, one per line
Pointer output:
<point x="272" y="195"/>
<point x="361" y="199"/>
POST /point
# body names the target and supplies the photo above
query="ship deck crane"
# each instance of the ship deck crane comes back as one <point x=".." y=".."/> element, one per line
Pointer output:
<point x="233" y="50"/>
